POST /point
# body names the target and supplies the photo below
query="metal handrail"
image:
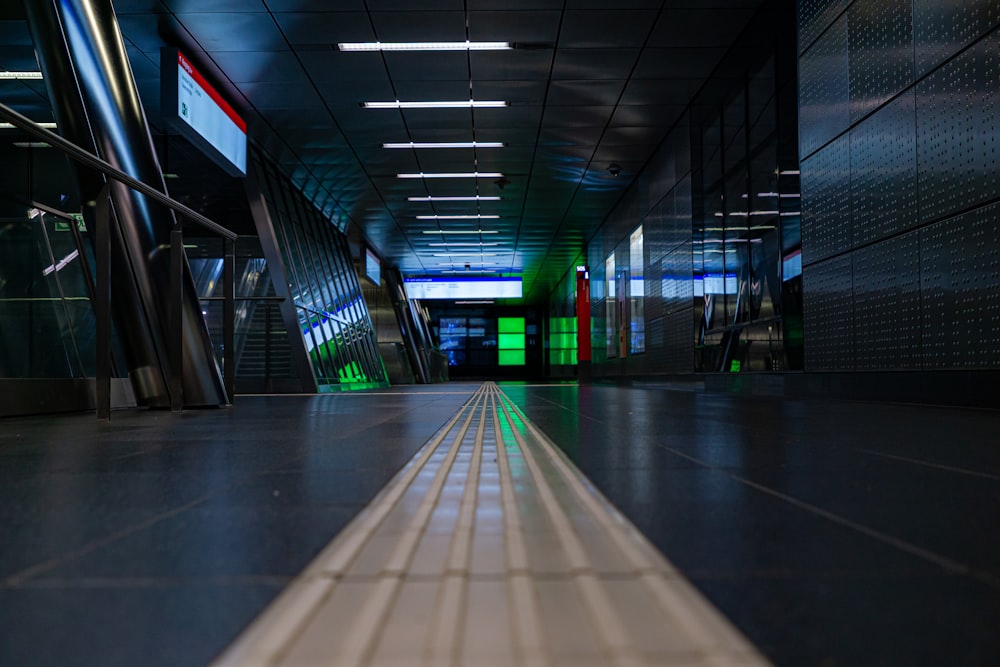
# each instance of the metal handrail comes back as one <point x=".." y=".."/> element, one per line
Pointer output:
<point x="102" y="257"/>
<point x="108" y="169"/>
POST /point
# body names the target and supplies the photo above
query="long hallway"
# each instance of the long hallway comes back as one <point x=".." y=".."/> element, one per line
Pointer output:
<point x="828" y="533"/>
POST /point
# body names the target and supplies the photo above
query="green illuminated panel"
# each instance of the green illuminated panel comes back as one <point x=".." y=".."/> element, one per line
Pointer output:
<point x="562" y="341"/>
<point x="510" y="341"/>
<point x="510" y="325"/>
<point x="562" y="324"/>
<point x="562" y="357"/>
<point x="511" y="357"/>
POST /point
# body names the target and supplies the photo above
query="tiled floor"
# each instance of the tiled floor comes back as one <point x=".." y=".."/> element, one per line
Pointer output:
<point x="489" y="549"/>
<point x="829" y="533"/>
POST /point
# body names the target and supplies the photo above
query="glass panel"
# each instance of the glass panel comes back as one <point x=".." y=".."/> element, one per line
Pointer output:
<point x="610" y="307"/>
<point x="637" y="324"/>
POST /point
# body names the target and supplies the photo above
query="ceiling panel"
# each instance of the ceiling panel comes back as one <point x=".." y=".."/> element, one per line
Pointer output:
<point x="590" y="82"/>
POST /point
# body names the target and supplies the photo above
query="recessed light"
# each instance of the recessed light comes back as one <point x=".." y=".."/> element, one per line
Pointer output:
<point x="425" y="46"/>
<point x="444" y="144"/>
<point x="437" y="104"/>
<point x="473" y="198"/>
<point x="460" y="231"/>
<point x="21" y="75"/>
<point x="455" y="245"/>
<point x="455" y="174"/>
<point x="476" y="216"/>
<point x="11" y="126"/>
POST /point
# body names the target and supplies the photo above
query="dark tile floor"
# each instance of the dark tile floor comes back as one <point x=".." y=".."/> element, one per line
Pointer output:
<point x="153" y="540"/>
<point x="832" y="533"/>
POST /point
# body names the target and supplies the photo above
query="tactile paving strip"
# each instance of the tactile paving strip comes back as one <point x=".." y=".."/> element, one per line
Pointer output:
<point x="490" y="549"/>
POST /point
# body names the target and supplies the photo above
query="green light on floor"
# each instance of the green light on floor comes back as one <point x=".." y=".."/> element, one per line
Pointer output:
<point x="510" y="357"/>
<point x="735" y="366"/>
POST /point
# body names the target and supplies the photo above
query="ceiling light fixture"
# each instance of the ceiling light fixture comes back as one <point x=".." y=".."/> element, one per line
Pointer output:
<point x="453" y="174"/>
<point x="465" y="254"/>
<point x="437" y="104"/>
<point x="455" y="245"/>
<point x="21" y="75"/>
<point x="460" y="231"/>
<point x="474" y="216"/>
<point x="425" y="46"/>
<point x="445" y="144"/>
<point x="11" y="126"/>
<point x="474" y="198"/>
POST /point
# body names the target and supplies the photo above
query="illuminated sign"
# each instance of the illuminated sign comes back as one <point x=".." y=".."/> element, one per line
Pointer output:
<point x="463" y="288"/>
<point x="195" y="109"/>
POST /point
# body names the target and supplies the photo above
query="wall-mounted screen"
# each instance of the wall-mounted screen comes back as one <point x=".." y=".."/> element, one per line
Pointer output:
<point x="463" y="288"/>
<point x="373" y="267"/>
<point x="195" y="109"/>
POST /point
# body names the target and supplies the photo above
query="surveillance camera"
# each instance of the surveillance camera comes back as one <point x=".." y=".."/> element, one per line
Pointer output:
<point x="614" y="169"/>
<point x="501" y="182"/>
<point x="468" y="267"/>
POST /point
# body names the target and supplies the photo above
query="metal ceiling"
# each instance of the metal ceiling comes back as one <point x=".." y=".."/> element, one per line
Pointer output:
<point x="589" y="84"/>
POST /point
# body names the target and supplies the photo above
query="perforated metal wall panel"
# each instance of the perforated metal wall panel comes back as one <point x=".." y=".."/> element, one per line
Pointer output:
<point x="941" y="29"/>
<point x="960" y="284"/>
<point x="824" y="89"/>
<point x="958" y="123"/>
<point x="815" y="16"/>
<point x="826" y="201"/>
<point x="884" y="172"/>
<point x="880" y="43"/>
<point x="654" y="358"/>
<point x="887" y="304"/>
<point x="678" y="335"/>
<point x="828" y="315"/>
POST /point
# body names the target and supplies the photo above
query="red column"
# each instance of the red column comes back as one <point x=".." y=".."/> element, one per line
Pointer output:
<point x="582" y="314"/>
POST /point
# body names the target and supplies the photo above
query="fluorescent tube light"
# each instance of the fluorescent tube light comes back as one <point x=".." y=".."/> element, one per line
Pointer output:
<point x="444" y="144"/>
<point x="425" y="46"/>
<point x="465" y="254"/>
<point x="437" y="104"/>
<point x="473" y="198"/>
<point x="454" y="174"/>
<point x="475" y="216"/>
<point x="21" y="75"/>
<point x="10" y="126"/>
<point x="460" y="231"/>
<point x="455" y="245"/>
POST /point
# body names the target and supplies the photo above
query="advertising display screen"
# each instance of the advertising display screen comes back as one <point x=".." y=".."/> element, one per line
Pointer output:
<point x="463" y="288"/>
<point x="195" y="109"/>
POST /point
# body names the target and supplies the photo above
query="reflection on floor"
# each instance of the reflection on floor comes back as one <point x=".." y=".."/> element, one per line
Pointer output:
<point x="830" y="533"/>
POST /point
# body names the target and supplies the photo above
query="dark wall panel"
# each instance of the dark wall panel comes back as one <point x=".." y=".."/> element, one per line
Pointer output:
<point x="884" y="172"/>
<point x="960" y="287"/>
<point x="826" y="202"/>
<point x="900" y="205"/>
<point x="958" y="123"/>
<point x="828" y="314"/>
<point x="941" y="29"/>
<point x="887" y="304"/>
<point x="880" y="43"/>
<point x="815" y="16"/>
<point x="824" y="89"/>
